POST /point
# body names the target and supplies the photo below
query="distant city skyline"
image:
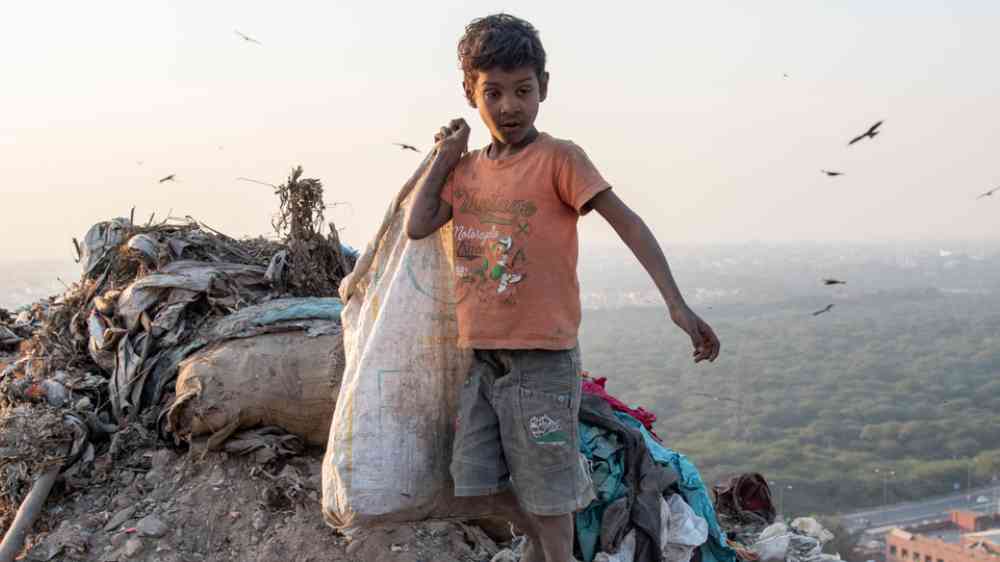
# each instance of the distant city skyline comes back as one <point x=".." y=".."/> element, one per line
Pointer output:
<point x="712" y="120"/>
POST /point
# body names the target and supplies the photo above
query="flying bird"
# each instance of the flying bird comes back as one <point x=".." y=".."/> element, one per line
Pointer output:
<point x="832" y="173"/>
<point x="988" y="193"/>
<point x="168" y="178"/>
<point x="870" y="133"/>
<point x="826" y="309"/>
<point x="406" y="146"/>
<point x="834" y="282"/>
<point x="247" y="38"/>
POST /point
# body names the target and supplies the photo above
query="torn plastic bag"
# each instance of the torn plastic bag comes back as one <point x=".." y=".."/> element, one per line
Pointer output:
<point x="154" y="311"/>
<point x="99" y="242"/>
<point x="102" y="341"/>
<point x="387" y="459"/>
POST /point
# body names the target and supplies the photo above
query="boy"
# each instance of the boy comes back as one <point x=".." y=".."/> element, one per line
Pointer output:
<point x="515" y="205"/>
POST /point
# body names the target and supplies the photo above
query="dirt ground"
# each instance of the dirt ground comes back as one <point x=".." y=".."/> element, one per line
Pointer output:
<point x="164" y="505"/>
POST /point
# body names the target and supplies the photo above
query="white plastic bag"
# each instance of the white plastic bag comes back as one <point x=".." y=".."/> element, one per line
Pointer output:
<point x="388" y="455"/>
<point x="683" y="530"/>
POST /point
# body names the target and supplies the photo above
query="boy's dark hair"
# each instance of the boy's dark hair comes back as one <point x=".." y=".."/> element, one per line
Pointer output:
<point x="499" y="40"/>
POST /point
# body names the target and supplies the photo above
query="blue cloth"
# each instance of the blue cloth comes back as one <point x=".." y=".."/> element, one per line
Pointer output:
<point x="349" y="251"/>
<point x="692" y="490"/>
<point x="604" y="452"/>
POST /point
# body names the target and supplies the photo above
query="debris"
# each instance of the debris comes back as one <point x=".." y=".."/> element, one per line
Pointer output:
<point x="119" y="518"/>
<point x="15" y="534"/>
<point x="133" y="546"/>
<point x="313" y="264"/>
<point x="152" y="526"/>
<point x="744" y="501"/>
<point x="812" y="528"/>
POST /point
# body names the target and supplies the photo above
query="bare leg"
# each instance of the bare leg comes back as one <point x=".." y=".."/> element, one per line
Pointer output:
<point x="550" y="538"/>
<point x="556" y="536"/>
<point x="507" y="505"/>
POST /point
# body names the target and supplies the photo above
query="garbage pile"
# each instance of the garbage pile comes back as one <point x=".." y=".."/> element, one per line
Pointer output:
<point x="93" y="371"/>
<point x="747" y="513"/>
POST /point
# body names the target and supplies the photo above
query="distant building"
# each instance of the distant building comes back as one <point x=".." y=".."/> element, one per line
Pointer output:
<point x="966" y="537"/>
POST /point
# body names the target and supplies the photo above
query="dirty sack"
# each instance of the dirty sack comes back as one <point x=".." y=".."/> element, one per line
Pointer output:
<point x="390" y="443"/>
<point x="275" y="364"/>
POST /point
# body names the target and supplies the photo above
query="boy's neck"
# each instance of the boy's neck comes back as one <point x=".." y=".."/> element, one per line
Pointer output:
<point x="498" y="150"/>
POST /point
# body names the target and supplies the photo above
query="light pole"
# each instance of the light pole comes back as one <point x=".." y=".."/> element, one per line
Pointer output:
<point x="781" y="499"/>
<point x="886" y="474"/>
<point x="968" y="480"/>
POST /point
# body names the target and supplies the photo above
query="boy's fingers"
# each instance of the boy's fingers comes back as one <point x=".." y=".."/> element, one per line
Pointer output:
<point x="457" y="124"/>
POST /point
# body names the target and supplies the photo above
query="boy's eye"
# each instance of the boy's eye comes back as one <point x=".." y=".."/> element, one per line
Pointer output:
<point x="524" y="91"/>
<point x="490" y="93"/>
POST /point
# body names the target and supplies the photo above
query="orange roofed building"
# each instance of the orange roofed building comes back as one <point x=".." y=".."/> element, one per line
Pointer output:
<point x="971" y="543"/>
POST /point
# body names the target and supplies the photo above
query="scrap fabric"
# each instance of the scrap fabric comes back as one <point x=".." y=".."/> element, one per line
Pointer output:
<point x="692" y="490"/>
<point x="595" y="386"/>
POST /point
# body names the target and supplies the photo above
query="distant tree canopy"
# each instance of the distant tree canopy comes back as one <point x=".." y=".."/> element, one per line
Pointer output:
<point x="910" y="386"/>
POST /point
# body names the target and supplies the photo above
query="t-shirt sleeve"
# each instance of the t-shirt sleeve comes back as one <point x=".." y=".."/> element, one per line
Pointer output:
<point x="577" y="179"/>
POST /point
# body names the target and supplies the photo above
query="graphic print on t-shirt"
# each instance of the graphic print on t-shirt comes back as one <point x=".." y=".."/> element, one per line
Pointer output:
<point x="491" y="257"/>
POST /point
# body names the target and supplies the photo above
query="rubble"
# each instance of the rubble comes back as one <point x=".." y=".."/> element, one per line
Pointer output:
<point x="85" y="375"/>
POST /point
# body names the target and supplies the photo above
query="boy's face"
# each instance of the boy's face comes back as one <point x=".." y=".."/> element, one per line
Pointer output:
<point x="508" y="102"/>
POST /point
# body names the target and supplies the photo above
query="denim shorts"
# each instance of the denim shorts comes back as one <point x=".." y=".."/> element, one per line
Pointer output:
<point x="517" y="427"/>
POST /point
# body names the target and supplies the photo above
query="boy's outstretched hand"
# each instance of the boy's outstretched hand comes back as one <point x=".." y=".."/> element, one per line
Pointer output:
<point x="706" y="343"/>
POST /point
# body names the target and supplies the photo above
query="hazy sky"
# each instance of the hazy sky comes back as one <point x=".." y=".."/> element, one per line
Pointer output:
<point x="682" y="105"/>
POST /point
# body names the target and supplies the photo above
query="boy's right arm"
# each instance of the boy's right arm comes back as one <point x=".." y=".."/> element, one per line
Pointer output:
<point x="429" y="212"/>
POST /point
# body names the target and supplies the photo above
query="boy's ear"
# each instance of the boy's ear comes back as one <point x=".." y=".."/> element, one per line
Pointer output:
<point x="543" y="86"/>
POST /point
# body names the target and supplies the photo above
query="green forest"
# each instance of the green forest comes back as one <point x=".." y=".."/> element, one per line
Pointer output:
<point x="905" y="382"/>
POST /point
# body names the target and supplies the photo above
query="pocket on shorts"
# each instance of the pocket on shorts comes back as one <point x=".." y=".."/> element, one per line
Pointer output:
<point x="547" y="409"/>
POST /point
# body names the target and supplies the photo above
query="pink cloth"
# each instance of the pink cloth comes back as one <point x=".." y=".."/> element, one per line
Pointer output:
<point x="595" y="386"/>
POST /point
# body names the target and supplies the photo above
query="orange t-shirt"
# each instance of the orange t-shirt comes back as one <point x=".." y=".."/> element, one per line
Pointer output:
<point x="516" y="244"/>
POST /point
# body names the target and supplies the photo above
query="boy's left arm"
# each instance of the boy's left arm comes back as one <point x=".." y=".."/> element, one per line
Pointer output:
<point x="637" y="236"/>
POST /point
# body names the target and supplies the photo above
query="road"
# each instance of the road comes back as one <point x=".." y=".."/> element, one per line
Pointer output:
<point x="915" y="512"/>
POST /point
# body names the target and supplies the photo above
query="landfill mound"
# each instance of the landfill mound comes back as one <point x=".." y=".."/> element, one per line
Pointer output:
<point x="87" y="376"/>
<point x="170" y="405"/>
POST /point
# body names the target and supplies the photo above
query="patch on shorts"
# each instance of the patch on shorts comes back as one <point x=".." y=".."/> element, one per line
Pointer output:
<point x="546" y="431"/>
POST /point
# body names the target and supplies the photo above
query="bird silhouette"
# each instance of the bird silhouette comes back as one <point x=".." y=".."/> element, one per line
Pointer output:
<point x="870" y="133"/>
<point x="406" y="146"/>
<point x="826" y="309"/>
<point x="167" y="178"/>
<point x="832" y="173"/>
<point x="247" y="38"/>
<point x="834" y="282"/>
<point x="988" y="193"/>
